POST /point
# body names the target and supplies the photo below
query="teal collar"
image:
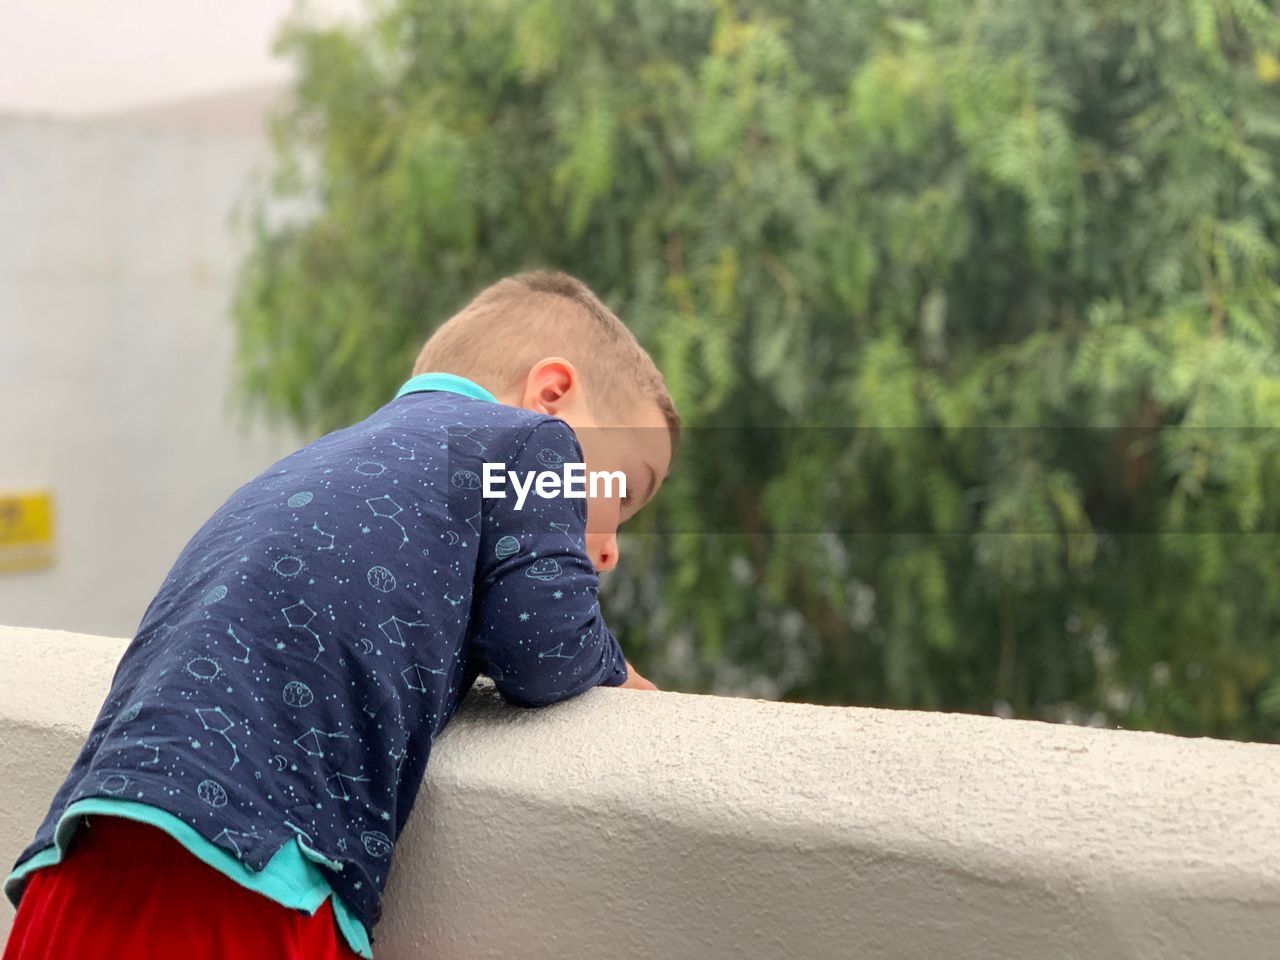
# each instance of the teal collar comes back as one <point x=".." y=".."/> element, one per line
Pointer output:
<point x="447" y="382"/>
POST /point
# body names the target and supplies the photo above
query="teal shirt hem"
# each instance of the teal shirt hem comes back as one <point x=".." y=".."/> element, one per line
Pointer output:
<point x="449" y="382"/>
<point x="291" y="877"/>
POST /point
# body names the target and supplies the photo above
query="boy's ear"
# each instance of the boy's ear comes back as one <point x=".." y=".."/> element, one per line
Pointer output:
<point x="552" y="386"/>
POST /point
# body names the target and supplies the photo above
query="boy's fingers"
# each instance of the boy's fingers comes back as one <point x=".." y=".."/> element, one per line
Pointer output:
<point x="636" y="682"/>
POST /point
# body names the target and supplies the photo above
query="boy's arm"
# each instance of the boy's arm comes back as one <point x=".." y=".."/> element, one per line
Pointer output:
<point x="537" y="627"/>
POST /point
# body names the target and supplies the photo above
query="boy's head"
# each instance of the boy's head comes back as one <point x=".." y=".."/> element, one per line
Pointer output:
<point x="545" y="342"/>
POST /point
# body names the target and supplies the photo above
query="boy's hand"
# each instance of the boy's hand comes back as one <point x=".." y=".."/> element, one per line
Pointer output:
<point x="634" y="681"/>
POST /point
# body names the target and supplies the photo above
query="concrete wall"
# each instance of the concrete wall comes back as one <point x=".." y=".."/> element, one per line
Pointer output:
<point x="628" y="825"/>
<point x="116" y="266"/>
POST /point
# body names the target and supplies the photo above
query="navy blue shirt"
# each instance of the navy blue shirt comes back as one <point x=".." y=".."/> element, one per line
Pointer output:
<point x="318" y="632"/>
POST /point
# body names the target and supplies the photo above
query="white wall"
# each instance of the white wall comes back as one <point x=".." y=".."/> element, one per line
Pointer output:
<point x="626" y="825"/>
<point x="116" y="267"/>
<point x="76" y="58"/>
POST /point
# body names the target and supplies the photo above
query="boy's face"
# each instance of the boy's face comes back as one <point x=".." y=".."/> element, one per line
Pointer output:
<point x="636" y="444"/>
<point x="638" y="447"/>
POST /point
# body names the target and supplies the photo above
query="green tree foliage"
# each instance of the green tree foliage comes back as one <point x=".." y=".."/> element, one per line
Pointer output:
<point x="912" y="217"/>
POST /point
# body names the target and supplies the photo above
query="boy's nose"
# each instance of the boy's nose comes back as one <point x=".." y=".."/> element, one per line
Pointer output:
<point x="606" y="551"/>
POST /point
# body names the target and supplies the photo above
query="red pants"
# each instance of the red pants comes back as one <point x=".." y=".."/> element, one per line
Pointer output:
<point x="126" y="891"/>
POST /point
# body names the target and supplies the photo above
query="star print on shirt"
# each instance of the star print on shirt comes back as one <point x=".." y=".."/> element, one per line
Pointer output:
<point x="524" y="617"/>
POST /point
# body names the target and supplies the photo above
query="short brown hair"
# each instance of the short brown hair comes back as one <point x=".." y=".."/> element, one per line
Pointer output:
<point x="514" y="323"/>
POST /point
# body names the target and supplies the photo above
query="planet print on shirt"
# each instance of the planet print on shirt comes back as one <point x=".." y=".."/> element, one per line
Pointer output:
<point x="506" y="547"/>
<point x="115" y="784"/>
<point x="297" y="694"/>
<point x="544" y="569"/>
<point x="376" y="843"/>
<point x="203" y="668"/>
<point x="381" y="579"/>
<point x="288" y="566"/>
<point x="212" y="793"/>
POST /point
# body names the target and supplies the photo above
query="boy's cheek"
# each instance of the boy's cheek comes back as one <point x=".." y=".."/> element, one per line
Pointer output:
<point x="602" y="516"/>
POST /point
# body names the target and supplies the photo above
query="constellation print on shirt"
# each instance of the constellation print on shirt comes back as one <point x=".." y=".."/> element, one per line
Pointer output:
<point x="310" y="742"/>
<point x="461" y="439"/>
<point x="415" y="676"/>
<point x="403" y="632"/>
<point x="230" y="836"/>
<point x="215" y="720"/>
<point x="231" y="630"/>
<point x="390" y="510"/>
<point x="155" y="754"/>
<point x="336" y="786"/>
<point x="412" y="455"/>
<point x="299" y="616"/>
<point x="564" y="528"/>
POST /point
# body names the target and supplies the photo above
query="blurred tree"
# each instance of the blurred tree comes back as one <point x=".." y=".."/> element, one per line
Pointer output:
<point x="915" y="217"/>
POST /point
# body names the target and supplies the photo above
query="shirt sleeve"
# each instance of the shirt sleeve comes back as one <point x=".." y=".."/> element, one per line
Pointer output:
<point x="537" y="628"/>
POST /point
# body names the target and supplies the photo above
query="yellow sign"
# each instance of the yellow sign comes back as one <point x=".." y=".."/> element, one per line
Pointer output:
<point x="26" y="530"/>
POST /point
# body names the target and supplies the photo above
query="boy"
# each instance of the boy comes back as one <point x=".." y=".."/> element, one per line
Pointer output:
<point x="266" y="732"/>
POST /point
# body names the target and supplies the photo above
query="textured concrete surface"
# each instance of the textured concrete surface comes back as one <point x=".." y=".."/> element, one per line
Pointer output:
<point x="634" y="825"/>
